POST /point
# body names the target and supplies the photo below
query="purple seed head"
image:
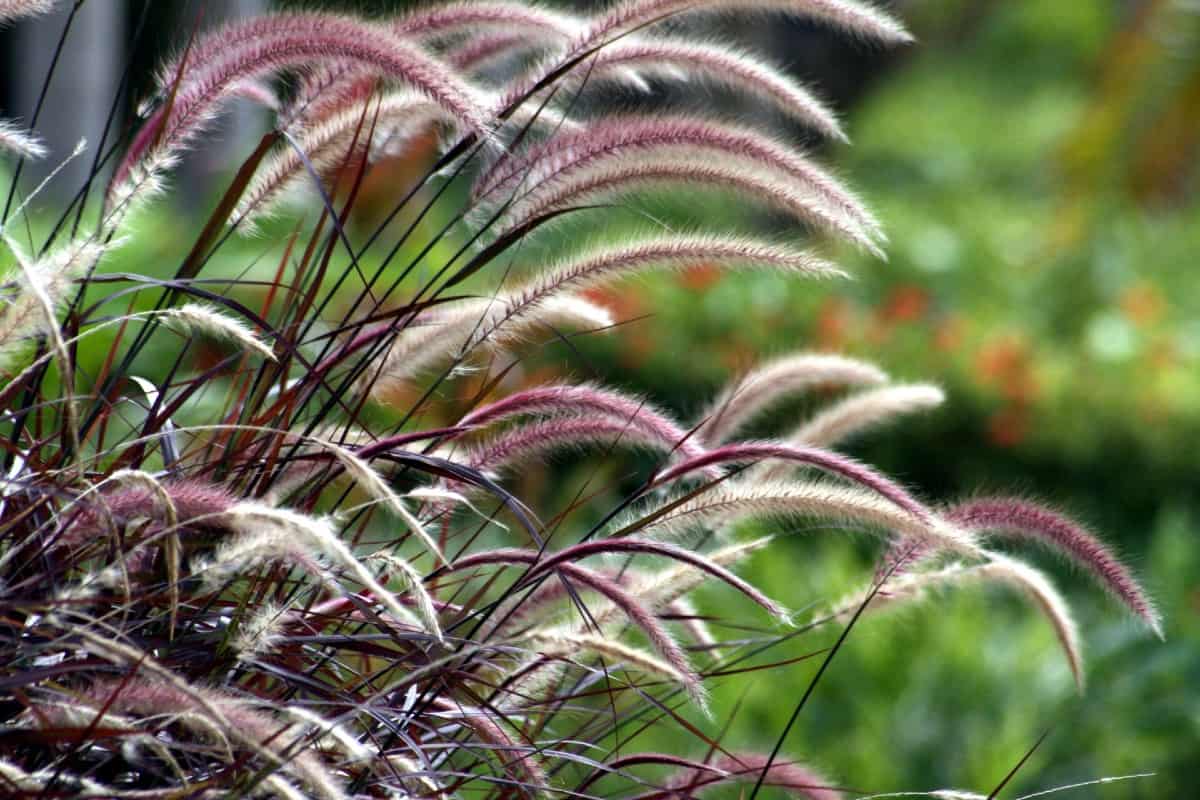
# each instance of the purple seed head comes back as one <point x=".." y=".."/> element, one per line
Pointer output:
<point x="1027" y="521"/>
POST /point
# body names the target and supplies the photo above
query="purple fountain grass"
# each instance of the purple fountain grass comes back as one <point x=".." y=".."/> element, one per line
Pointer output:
<point x="43" y="285"/>
<point x="842" y="506"/>
<point x="866" y="410"/>
<point x="199" y="318"/>
<point x="257" y="91"/>
<point x="623" y="18"/>
<point x="894" y="587"/>
<point x="687" y="617"/>
<point x="19" y="142"/>
<point x="469" y="16"/>
<point x="1028" y="521"/>
<point x="432" y="21"/>
<point x="604" y="265"/>
<point x="772" y="382"/>
<point x="665" y="589"/>
<point x="662" y="591"/>
<point x="205" y="710"/>
<point x="238" y="557"/>
<point x="263" y="531"/>
<point x="460" y="330"/>
<point x="533" y="441"/>
<point x="856" y="414"/>
<point x="824" y="460"/>
<point x="902" y="556"/>
<point x="848" y="15"/>
<point x="489" y="22"/>
<point x="1034" y="584"/>
<point x="197" y="504"/>
<point x="482" y="51"/>
<point x="567" y="645"/>
<point x="631" y="606"/>
<point x="738" y="70"/>
<point x="297" y="41"/>
<point x="375" y="124"/>
<point x="619" y="138"/>
<point x="549" y="300"/>
<point x="538" y="605"/>
<point x="324" y="91"/>
<point x="745" y="767"/>
<point x="635" y="174"/>
<point x="582" y="399"/>
<point x="11" y="10"/>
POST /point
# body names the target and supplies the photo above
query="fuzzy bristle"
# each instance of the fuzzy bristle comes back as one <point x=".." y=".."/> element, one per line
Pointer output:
<point x="20" y="142"/>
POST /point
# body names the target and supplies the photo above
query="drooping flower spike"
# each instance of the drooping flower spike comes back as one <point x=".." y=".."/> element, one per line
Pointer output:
<point x="615" y="139"/>
<point x="1022" y="520"/>
<point x="11" y="10"/>
<point x="377" y="125"/>
<point x="583" y="400"/>
<point x="841" y="507"/>
<point x="282" y="42"/>
<point x="897" y="587"/>
<point x="738" y="70"/>
<point x="825" y="460"/>
<point x="625" y="177"/>
<point x="774" y="381"/>
<point x="626" y="17"/>
<point x="19" y="142"/>
<point x="796" y="778"/>
<point x="849" y="15"/>
<point x="865" y="410"/>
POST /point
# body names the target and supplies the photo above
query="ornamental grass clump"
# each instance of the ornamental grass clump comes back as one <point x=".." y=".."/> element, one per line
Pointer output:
<point x="294" y="565"/>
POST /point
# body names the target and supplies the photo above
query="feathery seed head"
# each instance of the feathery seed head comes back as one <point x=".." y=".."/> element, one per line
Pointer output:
<point x="568" y="644"/>
<point x="853" y="16"/>
<point x="584" y="402"/>
<point x="842" y="505"/>
<point x="1027" y="521"/>
<point x="736" y="69"/>
<point x="865" y="410"/>
<point x="205" y="319"/>
<point x="249" y="50"/>
<point x="11" y="10"/>
<point x="620" y="138"/>
<point x="260" y="631"/>
<point x="825" y="460"/>
<point x="21" y="143"/>
<point x="748" y="767"/>
<point x="771" y="382"/>
<point x="458" y="330"/>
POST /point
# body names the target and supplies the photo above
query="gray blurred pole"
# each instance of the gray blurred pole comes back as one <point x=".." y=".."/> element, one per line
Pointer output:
<point x="85" y="82"/>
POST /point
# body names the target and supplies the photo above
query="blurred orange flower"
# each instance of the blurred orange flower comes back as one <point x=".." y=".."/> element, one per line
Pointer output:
<point x="1143" y="303"/>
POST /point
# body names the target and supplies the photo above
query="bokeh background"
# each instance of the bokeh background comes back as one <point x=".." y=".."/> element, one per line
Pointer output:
<point x="1035" y="165"/>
